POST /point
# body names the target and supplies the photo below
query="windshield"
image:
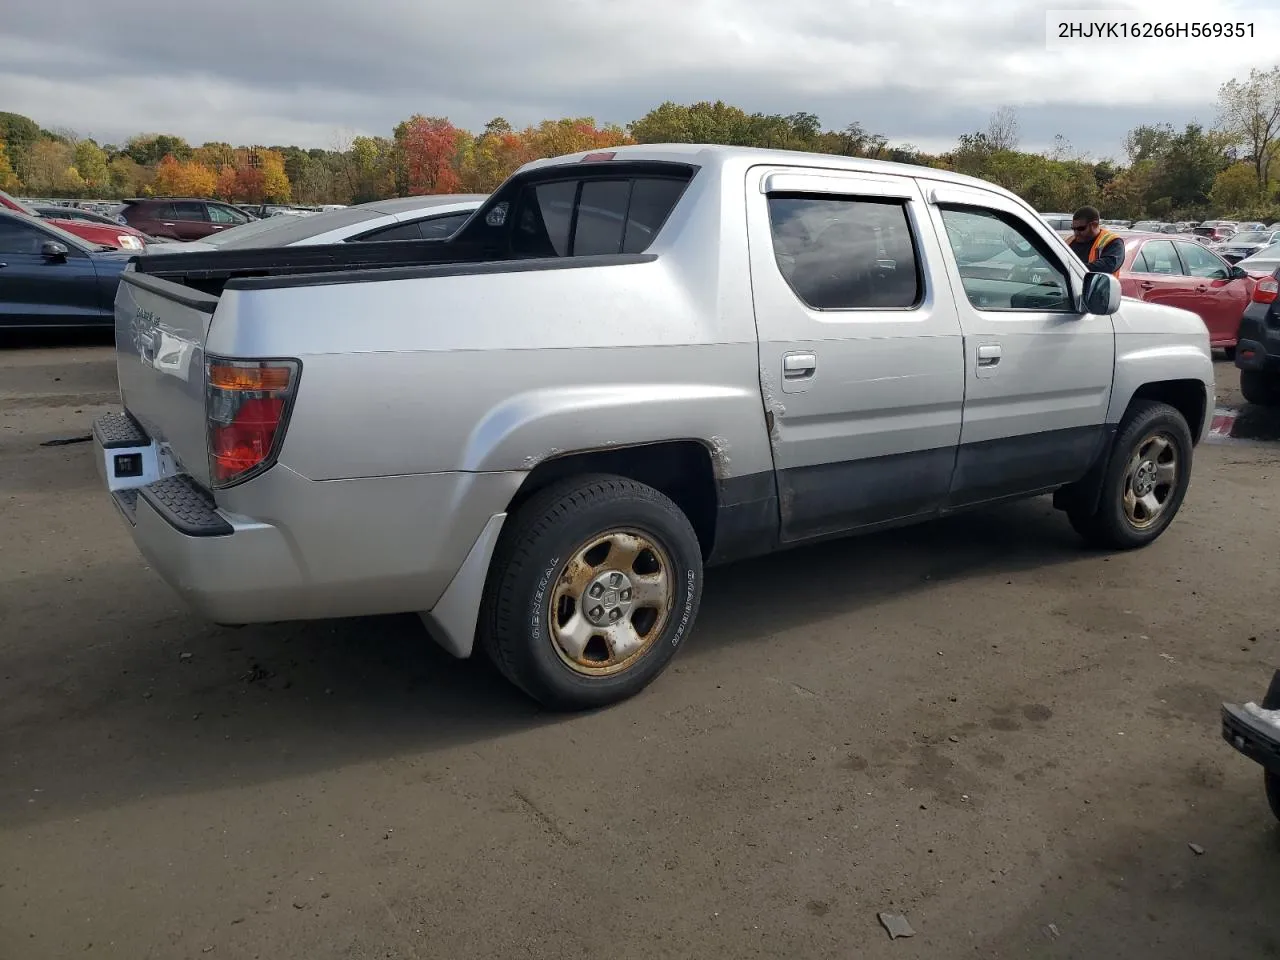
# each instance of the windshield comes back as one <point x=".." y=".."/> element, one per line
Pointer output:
<point x="1251" y="238"/>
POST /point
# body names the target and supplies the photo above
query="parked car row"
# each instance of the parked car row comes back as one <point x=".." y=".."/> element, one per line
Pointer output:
<point x="110" y="234"/>
<point x="50" y="277"/>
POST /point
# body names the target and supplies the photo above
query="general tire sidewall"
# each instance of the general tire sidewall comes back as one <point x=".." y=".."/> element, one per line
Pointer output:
<point x="554" y="548"/>
<point x="1130" y="436"/>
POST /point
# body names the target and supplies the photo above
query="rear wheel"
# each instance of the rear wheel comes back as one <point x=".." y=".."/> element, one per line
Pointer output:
<point x="594" y="586"/>
<point x="1261" y="387"/>
<point x="1145" y="481"/>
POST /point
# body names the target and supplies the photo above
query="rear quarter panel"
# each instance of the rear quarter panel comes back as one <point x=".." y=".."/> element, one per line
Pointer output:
<point x="499" y="371"/>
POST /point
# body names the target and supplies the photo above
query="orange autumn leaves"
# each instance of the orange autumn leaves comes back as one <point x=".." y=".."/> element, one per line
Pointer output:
<point x="437" y="157"/>
<point x="247" y="176"/>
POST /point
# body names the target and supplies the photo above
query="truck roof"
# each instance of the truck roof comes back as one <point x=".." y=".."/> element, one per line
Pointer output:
<point x="719" y="156"/>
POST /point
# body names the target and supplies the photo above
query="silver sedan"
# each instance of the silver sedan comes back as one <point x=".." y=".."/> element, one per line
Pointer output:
<point x="435" y="217"/>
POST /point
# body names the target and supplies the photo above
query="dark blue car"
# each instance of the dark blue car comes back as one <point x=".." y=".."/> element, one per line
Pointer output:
<point x="51" y="278"/>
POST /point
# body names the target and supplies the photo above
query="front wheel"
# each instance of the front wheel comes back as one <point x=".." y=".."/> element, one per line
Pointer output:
<point x="594" y="586"/>
<point x="1145" y="481"/>
<point x="1261" y="387"/>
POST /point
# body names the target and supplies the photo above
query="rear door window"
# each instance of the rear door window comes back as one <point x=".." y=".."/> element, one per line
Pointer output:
<point x="840" y="253"/>
<point x="188" y="210"/>
<point x="1158" y="256"/>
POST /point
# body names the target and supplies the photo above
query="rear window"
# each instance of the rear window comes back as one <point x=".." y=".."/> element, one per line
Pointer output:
<point x="592" y="216"/>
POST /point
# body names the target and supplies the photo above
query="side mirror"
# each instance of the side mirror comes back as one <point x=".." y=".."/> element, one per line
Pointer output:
<point x="52" y="250"/>
<point x="1238" y="273"/>
<point x="1101" y="295"/>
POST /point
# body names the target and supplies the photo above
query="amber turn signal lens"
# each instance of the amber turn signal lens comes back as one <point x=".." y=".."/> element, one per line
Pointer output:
<point x="262" y="379"/>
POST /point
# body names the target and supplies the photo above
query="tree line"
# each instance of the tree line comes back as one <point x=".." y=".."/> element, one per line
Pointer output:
<point x="1224" y="168"/>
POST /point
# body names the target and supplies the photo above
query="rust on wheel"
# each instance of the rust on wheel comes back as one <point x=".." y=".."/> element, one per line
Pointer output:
<point x="1150" y="480"/>
<point x="611" y="602"/>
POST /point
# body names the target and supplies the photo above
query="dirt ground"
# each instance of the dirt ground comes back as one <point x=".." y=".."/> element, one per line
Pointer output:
<point x="978" y="724"/>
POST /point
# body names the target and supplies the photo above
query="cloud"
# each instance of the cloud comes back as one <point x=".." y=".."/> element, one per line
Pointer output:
<point x="304" y="71"/>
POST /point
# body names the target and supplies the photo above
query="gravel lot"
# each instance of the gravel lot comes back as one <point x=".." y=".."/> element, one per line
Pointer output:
<point x="977" y="724"/>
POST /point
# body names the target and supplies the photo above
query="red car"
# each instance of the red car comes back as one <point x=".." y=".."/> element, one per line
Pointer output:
<point x="122" y="237"/>
<point x="1180" y="272"/>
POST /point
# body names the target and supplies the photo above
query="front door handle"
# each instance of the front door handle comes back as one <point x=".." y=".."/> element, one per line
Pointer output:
<point x="1146" y="284"/>
<point x="988" y="355"/>
<point x="798" y="366"/>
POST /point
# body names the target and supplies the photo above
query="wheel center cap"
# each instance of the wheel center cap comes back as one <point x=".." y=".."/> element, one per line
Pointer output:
<point x="1144" y="479"/>
<point x="608" y="598"/>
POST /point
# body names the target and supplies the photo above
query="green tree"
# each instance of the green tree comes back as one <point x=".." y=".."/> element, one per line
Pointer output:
<point x="1148" y="142"/>
<point x="148" y="149"/>
<point x="20" y="134"/>
<point x="91" y="164"/>
<point x="1250" y="117"/>
<point x="1235" y="189"/>
<point x="128" y="177"/>
<point x="1188" y="167"/>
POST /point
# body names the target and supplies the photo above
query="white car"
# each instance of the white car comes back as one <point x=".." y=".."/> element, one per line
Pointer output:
<point x="404" y="218"/>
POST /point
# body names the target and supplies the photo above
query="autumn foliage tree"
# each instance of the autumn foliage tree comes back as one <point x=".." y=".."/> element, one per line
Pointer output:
<point x="1179" y="174"/>
<point x="8" y="179"/>
<point x="183" y="178"/>
<point x="428" y="148"/>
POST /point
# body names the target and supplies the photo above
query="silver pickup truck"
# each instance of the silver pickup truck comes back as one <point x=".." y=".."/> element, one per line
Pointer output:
<point x="626" y="367"/>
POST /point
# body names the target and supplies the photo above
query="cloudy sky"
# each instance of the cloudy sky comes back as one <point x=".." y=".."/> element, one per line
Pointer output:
<point x="313" y="71"/>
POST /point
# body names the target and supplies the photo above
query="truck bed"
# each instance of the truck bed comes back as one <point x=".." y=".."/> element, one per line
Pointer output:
<point x="209" y="271"/>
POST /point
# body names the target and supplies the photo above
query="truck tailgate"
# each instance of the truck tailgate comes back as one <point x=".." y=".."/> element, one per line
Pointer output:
<point x="160" y="335"/>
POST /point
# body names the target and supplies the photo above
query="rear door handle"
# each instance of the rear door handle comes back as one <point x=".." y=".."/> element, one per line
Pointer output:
<point x="797" y="366"/>
<point x="1201" y="289"/>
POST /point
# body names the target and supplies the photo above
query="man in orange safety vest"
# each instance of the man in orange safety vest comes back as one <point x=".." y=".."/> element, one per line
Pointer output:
<point x="1101" y="250"/>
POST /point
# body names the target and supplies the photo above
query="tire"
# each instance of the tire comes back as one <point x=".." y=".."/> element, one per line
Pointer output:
<point x="1272" y="782"/>
<point x="1261" y="387"/>
<point x="1110" y="524"/>
<point x="535" y="618"/>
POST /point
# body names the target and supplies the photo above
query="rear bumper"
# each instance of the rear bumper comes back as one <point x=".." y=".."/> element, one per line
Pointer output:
<point x="282" y="547"/>
<point x="230" y="571"/>
<point x="1258" y="347"/>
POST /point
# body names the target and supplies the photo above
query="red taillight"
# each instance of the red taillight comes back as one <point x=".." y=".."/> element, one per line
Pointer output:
<point x="1266" y="291"/>
<point x="247" y="403"/>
